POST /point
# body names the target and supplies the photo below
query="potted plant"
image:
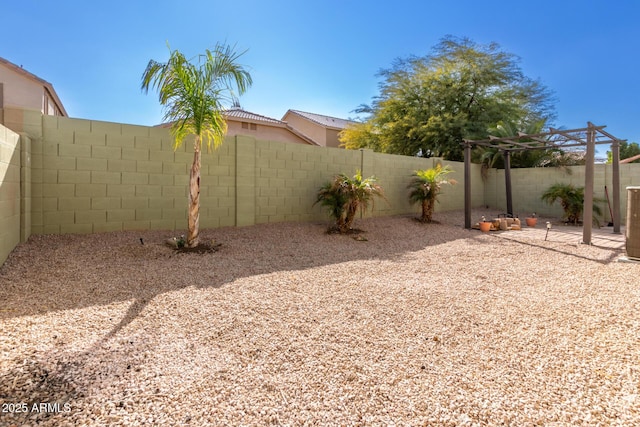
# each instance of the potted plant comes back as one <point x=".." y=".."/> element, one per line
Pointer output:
<point x="531" y="220"/>
<point x="485" y="226"/>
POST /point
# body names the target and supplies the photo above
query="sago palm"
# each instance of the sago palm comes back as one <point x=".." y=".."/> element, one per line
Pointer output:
<point x="193" y="93"/>
<point x="345" y="195"/>
<point x="571" y="199"/>
<point x="425" y="187"/>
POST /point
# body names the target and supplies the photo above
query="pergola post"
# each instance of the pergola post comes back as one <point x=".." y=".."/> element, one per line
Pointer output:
<point x="615" y="151"/>
<point x="467" y="185"/>
<point x="507" y="181"/>
<point x="587" y="210"/>
<point x="555" y="138"/>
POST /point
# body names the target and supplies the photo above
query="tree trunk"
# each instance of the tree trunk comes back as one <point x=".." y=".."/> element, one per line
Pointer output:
<point x="351" y="215"/>
<point x="194" y="197"/>
<point x="430" y="206"/>
<point x="425" y="211"/>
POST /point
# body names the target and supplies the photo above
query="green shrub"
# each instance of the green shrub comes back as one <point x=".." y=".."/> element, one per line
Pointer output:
<point x="571" y="199"/>
<point x="425" y="187"/>
<point x="344" y="196"/>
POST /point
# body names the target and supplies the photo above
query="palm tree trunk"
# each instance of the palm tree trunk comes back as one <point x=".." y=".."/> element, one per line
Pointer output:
<point x="351" y="215"/>
<point x="194" y="197"/>
<point x="430" y="206"/>
<point x="425" y="211"/>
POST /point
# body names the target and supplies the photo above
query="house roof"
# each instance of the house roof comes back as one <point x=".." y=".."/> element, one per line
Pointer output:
<point x="48" y="86"/>
<point x="239" y="113"/>
<point x="326" y="121"/>
<point x="243" y="115"/>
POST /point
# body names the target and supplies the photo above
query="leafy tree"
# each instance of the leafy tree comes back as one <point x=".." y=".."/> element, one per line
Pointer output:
<point x="428" y="105"/>
<point x="192" y="93"/>
<point x="425" y="187"/>
<point x="571" y="199"/>
<point x="627" y="150"/>
<point x="344" y="196"/>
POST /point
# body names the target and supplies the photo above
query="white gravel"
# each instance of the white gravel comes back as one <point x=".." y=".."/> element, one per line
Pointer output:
<point x="286" y="325"/>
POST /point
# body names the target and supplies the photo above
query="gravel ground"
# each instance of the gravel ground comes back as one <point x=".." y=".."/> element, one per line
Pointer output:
<point x="287" y="325"/>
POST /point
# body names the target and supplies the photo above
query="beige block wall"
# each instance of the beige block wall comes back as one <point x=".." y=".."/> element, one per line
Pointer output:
<point x="25" y="187"/>
<point x="528" y="185"/>
<point x="100" y="176"/>
<point x="84" y="176"/>
<point x="22" y="120"/>
<point x="91" y="176"/>
<point x="288" y="177"/>
<point x="10" y="196"/>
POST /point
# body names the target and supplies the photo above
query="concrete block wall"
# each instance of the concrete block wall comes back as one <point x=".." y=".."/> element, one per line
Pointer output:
<point x="99" y="176"/>
<point x="394" y="173"/>
<point x="288" y="176"/>
<point x="91" y="176"/>
<point x="528" y="185"/>
<point x="10" y="194"/>
<point x="63" y="175"/>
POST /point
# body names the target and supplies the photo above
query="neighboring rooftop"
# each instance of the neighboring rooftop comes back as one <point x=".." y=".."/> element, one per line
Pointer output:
<point x="327" y="121"/>
<point x="239" y="113"/>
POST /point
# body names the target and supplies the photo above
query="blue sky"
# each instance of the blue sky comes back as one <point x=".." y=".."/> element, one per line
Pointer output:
<point x="323" y="57"/>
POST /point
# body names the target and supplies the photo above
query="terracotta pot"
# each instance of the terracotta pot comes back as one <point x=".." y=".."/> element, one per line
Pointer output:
<point x="531" y="222"/>
<point x="485" y="227"/>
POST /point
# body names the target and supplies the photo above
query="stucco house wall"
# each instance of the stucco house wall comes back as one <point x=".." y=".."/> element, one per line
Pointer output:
<point x="324" y="130"/>
<point x="313" y="130"/>
<point x="332" y="138"/>
<point x="20" y="89"/>
<point x="245" y="123"/>
<point x="264" y="132"/>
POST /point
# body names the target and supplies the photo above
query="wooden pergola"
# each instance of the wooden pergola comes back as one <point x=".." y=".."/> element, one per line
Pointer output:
<point x="554" y="139"/>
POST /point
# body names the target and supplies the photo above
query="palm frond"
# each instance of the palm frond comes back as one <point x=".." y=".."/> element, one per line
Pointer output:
<point x="194" y="93"/>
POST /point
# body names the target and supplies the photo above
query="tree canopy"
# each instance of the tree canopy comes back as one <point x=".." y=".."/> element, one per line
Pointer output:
<point x="428" y="105"/>
<point x="627" y="150"/>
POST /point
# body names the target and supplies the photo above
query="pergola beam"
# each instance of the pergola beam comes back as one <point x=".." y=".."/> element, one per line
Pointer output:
<point x="556" y="139"/>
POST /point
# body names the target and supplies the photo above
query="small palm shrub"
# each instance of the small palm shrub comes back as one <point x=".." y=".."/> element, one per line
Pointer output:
<point x="425" y="186"/>
<point x="344" y="196"/>
<point x="571" y="199"/>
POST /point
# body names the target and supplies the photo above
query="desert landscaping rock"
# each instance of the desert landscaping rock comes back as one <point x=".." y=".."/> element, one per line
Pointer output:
<point x="419" y="324"/>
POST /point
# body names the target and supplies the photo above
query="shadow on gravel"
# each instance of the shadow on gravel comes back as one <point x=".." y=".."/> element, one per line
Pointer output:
<point x="34" y="393"/>
<point x="51" y="273"/>
<point x="50" y="392"/>
<point x="60" y="272"/>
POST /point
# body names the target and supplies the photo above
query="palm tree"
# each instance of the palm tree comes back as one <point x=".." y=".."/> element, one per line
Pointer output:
<point x="330" y="196"/>
<point x="555" y="157"/>
<point x="193" y="95"/>
<point x="425" y="187"/>
<point x="344" y="196"/>
<point x="571" y="199"/>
